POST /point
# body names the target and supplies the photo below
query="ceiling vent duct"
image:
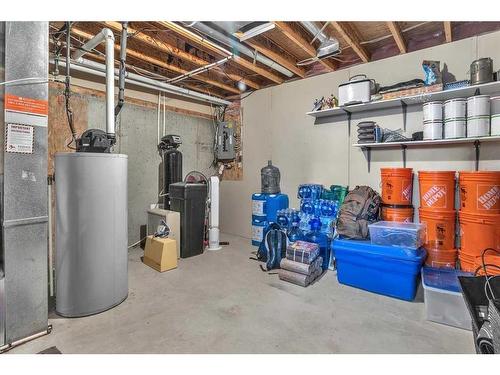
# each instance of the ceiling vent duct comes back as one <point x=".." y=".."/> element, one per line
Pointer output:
<point x="329" y="46"/>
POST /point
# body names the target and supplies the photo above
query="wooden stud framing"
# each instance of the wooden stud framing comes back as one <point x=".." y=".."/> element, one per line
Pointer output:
<point x="299" y="40"/>
<point x="351" y="39"/>
<point x="447" y="32"/>
<point x="397" y="35"/>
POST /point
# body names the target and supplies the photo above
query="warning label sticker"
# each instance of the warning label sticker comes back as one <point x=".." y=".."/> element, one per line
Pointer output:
<point x="26" y="105"/>
<point x="19" y="138"/>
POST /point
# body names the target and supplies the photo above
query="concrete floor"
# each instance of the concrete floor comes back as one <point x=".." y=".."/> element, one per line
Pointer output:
<point x="221" y="302"/>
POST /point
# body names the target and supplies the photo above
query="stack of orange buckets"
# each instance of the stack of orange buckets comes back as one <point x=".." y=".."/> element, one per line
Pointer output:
<point x="397" y="190"/>
<point x="479" y="219"/>
<point x="437" y="211"/>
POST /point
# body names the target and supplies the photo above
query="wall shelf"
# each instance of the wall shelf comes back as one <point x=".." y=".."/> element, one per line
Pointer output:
<point x="426" y="143"/>
<point x="338" y="113"/>
<point x="403" y="145"/>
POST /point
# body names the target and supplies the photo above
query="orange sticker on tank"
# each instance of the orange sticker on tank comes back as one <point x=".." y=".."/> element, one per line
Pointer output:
<point x="26" y="105"/>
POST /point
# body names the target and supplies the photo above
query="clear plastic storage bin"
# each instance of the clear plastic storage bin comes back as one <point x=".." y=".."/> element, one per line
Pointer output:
<point x="444" y="302"/>
<point x="392" y="233"/>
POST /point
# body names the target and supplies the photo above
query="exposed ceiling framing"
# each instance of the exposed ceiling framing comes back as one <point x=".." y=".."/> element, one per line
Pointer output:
<point x="168" y="49"/>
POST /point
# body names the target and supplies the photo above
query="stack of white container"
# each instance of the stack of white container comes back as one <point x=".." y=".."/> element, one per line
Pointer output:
<point x="476" y="116"/>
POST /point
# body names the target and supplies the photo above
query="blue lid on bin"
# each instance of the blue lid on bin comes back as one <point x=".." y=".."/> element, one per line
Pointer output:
<point x="394" y="252"/>
<point x="443" y="278"/>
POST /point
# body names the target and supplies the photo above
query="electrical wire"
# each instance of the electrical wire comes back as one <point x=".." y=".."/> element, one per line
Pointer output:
<point x="24" y="81"/>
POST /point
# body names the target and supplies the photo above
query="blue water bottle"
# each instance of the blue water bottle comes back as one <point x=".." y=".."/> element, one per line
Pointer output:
<point x="315" y="235"/>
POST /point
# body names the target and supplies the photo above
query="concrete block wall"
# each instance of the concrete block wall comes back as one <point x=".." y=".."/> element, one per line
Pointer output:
<point x="138" y="137"/>
<point x="275" y="126"/>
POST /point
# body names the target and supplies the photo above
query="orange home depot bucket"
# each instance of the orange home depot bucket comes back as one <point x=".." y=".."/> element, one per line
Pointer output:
<point x="465" y="264"/>
<point x="441" y="258"/>
<point x="480" y="191"/>
<point x="397" y="186"/>
<point x="440" y="228"/>
<point x="478" y="232"/>
<point x="402" y="214"/>
<point x="437" y="190"/>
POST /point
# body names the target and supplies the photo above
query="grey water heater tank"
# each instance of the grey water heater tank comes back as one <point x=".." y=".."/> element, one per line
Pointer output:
<point x="91" y="232"/>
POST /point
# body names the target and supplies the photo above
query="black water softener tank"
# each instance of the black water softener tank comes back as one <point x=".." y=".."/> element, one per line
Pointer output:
<point x="172" y="164"/>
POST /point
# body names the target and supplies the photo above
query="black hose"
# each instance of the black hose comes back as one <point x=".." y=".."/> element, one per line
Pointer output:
<point x="123" y="70"/>
<point x="67" y="90"/>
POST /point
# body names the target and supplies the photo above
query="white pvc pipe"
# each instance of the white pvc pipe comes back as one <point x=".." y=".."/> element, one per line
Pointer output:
<point x="213" y="231"/>
<point x="91" y="67"/>
<point x="106" y="36"/>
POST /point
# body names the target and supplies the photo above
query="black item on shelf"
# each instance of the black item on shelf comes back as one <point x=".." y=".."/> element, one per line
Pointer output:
<point x="418" y="136"/>
<point x="190" y="201"/>
<point x="401" y="86"/>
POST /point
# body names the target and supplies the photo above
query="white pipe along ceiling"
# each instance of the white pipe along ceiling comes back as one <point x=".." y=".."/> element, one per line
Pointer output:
<point x="107" y="36"/>
<point x="94" y="68"/>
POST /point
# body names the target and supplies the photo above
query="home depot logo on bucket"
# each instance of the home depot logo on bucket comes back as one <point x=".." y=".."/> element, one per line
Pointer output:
<point x="435" y="196"/>
<point x="487" y="196"/>
<point x="406" y="193"/>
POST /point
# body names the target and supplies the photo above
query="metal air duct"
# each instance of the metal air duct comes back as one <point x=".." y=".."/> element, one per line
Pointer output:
<point x="329" y="46"/>
<point x="233" y="43"/>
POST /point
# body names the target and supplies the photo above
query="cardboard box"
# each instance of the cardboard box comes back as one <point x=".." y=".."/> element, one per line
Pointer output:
<point x="172" y="218"/>
<point x="160" y="253"/>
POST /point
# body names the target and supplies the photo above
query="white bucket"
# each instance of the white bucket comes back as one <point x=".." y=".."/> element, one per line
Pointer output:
<point x="433" y="111"/>
<point x="454" y="128"/>
<point x="455" y="109"/>
<point x="495" y="115"/>
<point x="478" y="126"/>
<point x="478" y="106"/>
<point x="433" y="130"/>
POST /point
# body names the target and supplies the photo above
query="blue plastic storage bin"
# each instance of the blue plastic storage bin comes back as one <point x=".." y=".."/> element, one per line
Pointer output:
<point x="387" y="270"/>
<point x="274" y="203"/>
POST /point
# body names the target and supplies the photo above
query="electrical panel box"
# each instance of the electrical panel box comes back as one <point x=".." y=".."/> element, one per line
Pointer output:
<point x="225" y="141"/>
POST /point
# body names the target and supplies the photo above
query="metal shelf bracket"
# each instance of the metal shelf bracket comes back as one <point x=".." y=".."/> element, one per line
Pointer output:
<point x="477" y="143"/>
<point x="403" y="150"/>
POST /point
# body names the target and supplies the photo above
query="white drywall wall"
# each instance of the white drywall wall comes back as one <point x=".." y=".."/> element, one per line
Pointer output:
<point x="276" y="126"/>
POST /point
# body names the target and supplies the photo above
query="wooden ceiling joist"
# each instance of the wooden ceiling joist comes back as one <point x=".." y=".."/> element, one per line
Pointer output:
<point x="447" y="32"/>
<point x="301" y="42"/>
<point x="290" y="65"/>
<point x="349" y="36"/>
<point x="212" y="47"/>
<point x="397" y="35"/>
<point x="174" y="68"/>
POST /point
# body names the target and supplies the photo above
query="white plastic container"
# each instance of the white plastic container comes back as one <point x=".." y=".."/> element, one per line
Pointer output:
<point x="444" y="302"/>
<point x="478" y="106"/>
<point x="433" y="111"/>
<point x="433" y="130"/>
<point x="454" y="128"/>
<point x="495" y="115"/>
<point x="455" y="109"/>
<point x="478" y="126"/>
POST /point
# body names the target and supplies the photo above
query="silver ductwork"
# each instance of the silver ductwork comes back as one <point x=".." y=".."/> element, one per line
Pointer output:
<point x="329" y="46"/>
<point x="231" y="42"/>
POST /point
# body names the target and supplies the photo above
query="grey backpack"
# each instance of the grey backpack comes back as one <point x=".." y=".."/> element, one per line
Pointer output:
<point x="360" y="208"/>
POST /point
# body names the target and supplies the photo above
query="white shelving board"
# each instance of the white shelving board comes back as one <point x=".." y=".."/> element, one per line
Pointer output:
<point x="427" y="143"/>
<point x="491" y="88"/>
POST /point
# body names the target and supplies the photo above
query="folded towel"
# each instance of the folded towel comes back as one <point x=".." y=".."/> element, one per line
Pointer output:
<point x="298" y="267"/>
<point x="298" y="278"/>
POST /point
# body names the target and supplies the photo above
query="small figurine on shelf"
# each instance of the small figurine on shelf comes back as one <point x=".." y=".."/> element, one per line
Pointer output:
<point x="318" y="104"/>
<point x="330" y="102"/>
